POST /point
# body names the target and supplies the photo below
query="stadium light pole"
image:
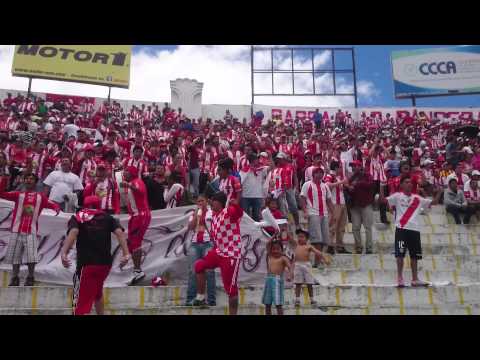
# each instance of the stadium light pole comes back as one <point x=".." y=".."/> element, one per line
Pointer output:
<point x="29" y="87"/>
<point x="251" y="71"/>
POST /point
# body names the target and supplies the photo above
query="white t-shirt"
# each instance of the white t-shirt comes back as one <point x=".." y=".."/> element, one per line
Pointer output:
<point x="62" y="184"/>
<point x="253" y="186"/>
<point x="407" y="209"/>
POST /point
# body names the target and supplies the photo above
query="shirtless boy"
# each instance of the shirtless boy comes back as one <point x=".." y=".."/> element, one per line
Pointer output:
<point x="302" y="267"/>
<point x="273" y="292"/>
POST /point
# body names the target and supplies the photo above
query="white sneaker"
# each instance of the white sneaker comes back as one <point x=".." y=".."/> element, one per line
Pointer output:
<point x="137" y="276"/>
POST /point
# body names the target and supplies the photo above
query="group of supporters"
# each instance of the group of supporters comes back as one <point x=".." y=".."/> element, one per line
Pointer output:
<point x="69" y="156"/>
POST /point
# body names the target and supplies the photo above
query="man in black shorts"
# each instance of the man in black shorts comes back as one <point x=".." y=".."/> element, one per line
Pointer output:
<point x="91" y="228"/>
<point x="407" y="233"/>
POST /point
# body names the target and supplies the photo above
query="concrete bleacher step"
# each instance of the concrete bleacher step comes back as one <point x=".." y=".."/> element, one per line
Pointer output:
<point x="260" y="310"/>
<point x="348" y="296"/>
<point x="389" y="277"/>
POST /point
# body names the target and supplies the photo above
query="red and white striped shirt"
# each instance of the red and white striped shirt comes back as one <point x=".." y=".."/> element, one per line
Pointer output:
<point x="87" y="171"/>
<point x="471" y="194"/>
<point x="226" y="232"/>
<point x="38" y="162"/>
<point x="108" y="192"/>
<point x="139" y="164"/>
<point x="316" y="195"/>
<point x="208" y="161"/>
<point x="173" y="196"/>
<point x="27" y="210"/>
<point x="377" y="171"/>
<point x="338" y="197"/>
<point x="231" y="186"/>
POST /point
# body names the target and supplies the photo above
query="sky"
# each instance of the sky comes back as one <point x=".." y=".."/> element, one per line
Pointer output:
<point x="225" y="72"/>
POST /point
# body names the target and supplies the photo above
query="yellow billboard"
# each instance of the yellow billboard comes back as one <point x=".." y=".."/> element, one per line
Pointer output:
<point x="107" y="65"/>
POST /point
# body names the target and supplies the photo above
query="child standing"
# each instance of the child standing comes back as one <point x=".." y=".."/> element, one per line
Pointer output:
<point x="302" y="267"/>
<point x="273" y="292"/>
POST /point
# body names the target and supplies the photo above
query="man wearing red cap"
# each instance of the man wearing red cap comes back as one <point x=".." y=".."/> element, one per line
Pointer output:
<point x="140" y="217"/>
<point x="91" y="229"/>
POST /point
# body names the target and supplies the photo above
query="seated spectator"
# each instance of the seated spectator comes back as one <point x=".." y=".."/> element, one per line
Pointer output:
<point x="455" y="202"/>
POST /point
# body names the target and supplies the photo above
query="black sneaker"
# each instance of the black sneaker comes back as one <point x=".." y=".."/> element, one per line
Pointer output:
<point x="14" y="281"/>
<point x="137" y="277"/>
<point x="29" y="281"/>
<point x="212" y="303"/>
<point x="342" y="250"/>
<point x="368" y="252"/>
<point x="199" y="303"/>
<point x="331" y="250"/>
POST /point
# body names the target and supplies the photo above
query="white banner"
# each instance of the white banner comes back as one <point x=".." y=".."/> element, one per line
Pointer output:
<point x="165" y="248"/>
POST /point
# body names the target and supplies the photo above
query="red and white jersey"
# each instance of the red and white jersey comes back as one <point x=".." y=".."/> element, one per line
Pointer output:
<point x="407" y="209"/>
<point x="236" y="157"/>
<point x="208" y="161"/>
<point x="108" y="192"/>
<point x="88" y="107"/>
<point x="244" y="163"/>
<point x="471" y="194"/>
<point x="27" y="107"/>
<point x="27" y="210"/>
<point x="314" y="147"/>
<point x="12" y="124"/>
<point x="437" y="141"/>
<point x="462" y="179"/>
<point x="377" y="171"/>
<point x="173" y="196"/>
<point x="230" y="186"/>
<point x="316" y="195"/>
<point x="309" y="173"/>
<point x="38" y="162"/>
<point x="275" y="180"/>
<point x="226" y="232"/>
<point x="87" y="171"/>
<point x="137" y="201"/>
<point x="139" y="164"/>
<point x="338" y="197"/>
<point x="428" y="175"/>
<point x="285" y="148"/>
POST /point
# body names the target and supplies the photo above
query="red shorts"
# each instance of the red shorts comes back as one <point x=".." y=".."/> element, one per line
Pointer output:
<point x="88" y="287"/>
<point x="227" y="268"/>
<point x="137" y="227"/>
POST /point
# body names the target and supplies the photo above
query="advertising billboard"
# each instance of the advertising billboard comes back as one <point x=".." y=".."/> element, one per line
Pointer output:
<point x="107" y="65"/>
<point x="436" y="72"/>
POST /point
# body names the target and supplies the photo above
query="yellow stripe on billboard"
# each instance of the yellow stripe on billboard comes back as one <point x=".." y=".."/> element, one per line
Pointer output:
<point x="107" y="65"/>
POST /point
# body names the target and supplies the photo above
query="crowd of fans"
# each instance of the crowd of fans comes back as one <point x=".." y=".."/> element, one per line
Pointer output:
<point x="331" y="169"/>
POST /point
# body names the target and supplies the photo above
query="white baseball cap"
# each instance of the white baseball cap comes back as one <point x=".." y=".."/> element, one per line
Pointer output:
<point x="451" y="177"/>
<point x="475" y="173"/>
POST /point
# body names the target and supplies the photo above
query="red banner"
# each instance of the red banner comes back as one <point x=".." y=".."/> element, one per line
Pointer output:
<point x="77" y="100"/>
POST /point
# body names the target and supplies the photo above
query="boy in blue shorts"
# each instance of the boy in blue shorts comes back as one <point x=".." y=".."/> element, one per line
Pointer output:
<point x="273" y="292"/>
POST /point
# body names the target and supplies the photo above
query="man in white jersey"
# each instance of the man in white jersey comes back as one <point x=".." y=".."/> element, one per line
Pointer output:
<point x="407" y="234"/>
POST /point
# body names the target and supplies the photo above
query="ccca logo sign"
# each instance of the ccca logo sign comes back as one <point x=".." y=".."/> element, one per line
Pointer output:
<point x="435" y="68"/>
